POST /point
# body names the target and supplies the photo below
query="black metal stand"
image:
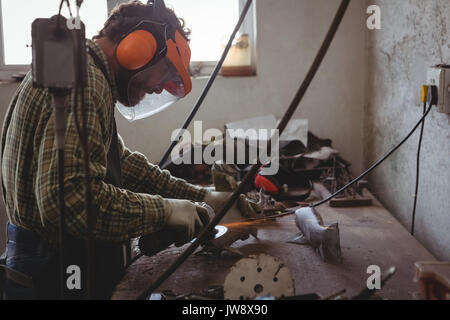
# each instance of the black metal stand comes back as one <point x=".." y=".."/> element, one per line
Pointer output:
<point x="59" y="101"/>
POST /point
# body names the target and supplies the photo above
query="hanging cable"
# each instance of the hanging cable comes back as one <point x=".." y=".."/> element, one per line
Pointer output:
<point x="365" y="173"/>
<point x="429" y="94"/>
<point x="59" y="12"/>
<point x="249" y="176"/>
<point x="378" y="163"/>
<point x="59" y="101"/>
<point x="212" y="78"/>
<point x="416" y="192"/>
<point x="83" y="136"/>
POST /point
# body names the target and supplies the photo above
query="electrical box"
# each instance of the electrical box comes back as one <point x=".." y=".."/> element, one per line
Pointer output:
<point x="59" y="54"/>
<point x="440" y="76"/>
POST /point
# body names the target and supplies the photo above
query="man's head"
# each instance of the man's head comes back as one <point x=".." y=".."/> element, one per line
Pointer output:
<point x="149" y="50"/>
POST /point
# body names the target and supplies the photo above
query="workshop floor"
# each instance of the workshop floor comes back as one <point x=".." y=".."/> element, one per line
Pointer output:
<point x="369" y="236"/>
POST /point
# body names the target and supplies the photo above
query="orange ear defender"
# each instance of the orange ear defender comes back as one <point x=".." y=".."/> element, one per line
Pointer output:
<point x="136" y="50"/>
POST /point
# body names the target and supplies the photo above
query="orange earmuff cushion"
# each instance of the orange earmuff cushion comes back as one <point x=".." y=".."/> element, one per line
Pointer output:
<point x="136" y="49"/>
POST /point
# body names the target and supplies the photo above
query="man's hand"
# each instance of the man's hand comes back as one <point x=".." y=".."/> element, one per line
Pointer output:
<point x="185" y="220"/>
<point x="241" y="210"/>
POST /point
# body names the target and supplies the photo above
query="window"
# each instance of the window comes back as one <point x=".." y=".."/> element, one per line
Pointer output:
<point x="17" y="17"/>
<point x="212" y="22"/>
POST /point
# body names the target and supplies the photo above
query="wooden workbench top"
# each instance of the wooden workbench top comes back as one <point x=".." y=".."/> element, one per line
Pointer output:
<point x="369" y="236"/>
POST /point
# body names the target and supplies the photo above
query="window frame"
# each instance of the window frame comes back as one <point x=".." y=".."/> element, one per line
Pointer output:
<point x="203" y="68"/>
<point x="8" y="70"/>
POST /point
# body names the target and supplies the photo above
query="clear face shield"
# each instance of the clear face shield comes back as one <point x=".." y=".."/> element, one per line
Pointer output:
<point x="159" y="86"/>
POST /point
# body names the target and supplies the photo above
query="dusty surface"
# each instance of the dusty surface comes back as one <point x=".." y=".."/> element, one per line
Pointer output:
<point x="369" y="236"/>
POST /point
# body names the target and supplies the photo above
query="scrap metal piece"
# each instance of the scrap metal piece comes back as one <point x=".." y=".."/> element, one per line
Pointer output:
<point x="325" y="240"/>
<point x="338" y="175"/>
<point x="258" y="276"/>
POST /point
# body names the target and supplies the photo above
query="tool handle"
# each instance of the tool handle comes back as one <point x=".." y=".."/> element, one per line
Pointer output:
<point x="153" y="243"/>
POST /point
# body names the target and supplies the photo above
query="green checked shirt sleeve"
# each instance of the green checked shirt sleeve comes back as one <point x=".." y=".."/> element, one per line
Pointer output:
<point x="140" y="175"/>
<point x="29" y="169"/>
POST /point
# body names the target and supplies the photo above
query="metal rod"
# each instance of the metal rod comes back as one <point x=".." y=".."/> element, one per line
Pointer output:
<point x="59" y="101"/>
<point x="91" y="215"/>
<point x="249" y="176"/>
<point x="211" y="80"/>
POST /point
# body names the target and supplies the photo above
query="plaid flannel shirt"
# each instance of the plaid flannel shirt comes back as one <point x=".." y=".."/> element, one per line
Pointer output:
<point x="30" y="176"/>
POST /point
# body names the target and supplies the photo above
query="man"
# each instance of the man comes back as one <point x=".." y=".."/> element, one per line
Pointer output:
<point x="131" y="197"/>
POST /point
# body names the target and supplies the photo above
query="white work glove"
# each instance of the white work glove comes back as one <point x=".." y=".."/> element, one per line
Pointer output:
<point x="241" y="210"/>
<point x="185" y="220"/>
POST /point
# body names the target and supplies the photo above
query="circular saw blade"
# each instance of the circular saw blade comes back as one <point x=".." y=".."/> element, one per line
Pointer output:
<point x="221" y="230"/>
<point x="258" y="276"/>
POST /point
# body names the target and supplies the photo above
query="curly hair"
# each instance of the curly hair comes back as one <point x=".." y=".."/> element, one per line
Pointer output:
<point x="127" y="15"/>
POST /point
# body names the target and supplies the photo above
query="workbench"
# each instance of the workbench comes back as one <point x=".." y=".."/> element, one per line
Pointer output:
<point x="369" y="236"/>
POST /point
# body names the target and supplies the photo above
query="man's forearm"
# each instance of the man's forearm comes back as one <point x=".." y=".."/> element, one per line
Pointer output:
<point x="139" y="175"/>
<point x="120" y="214"/>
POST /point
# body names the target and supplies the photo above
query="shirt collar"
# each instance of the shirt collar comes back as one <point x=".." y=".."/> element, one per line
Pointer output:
<point x="98" y="50"/>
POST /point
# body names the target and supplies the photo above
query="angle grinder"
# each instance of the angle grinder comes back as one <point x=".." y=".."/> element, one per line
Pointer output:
<point x="153" y="243"/>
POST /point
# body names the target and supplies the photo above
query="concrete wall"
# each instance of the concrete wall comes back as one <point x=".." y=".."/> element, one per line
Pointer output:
<point x="414" y="36"/>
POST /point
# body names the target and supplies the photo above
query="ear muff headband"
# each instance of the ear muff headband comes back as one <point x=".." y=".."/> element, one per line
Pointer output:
<point x="139" y="47"/>
<point x="136" y="50"/>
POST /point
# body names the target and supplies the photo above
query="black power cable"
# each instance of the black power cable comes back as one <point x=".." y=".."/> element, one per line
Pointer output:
<point x="416" y="192"/>
<point x="90" y="214"/>
<point x="83" y="136"/>
<point x="374" y="166"/>
<point x="162" y="162"/>
<point x="59" y="101"/>
<point x="206" y="232"/>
